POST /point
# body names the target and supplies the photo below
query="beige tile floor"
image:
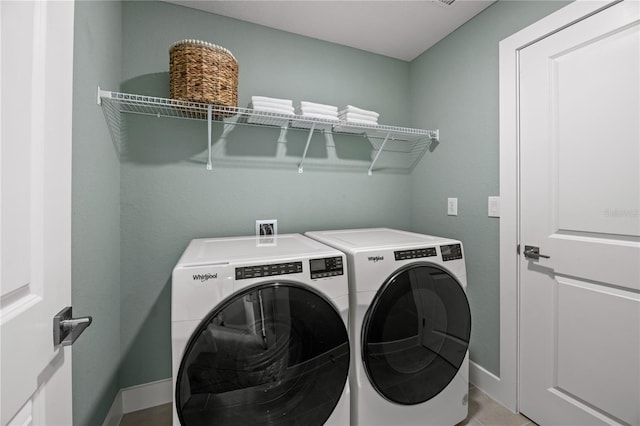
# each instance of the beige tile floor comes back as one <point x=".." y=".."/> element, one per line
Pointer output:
<point x="483" y="411"/>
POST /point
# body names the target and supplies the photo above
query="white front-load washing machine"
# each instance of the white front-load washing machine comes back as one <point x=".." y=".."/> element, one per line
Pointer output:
<point x="410" y="326"/>
<point x="259" y="333"/>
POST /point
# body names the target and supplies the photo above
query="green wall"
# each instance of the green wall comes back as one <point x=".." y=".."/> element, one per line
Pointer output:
<point x="96" y="212"/>
<point x="133" y="216"/>
<point x="454" y="87"/>
<point x="169" y="198"/>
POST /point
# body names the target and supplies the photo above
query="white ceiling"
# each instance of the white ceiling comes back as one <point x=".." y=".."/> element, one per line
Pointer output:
<point x="401" y="29"/>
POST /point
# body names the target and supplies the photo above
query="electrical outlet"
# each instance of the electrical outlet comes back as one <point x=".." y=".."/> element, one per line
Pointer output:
<point x="452" y="206"/>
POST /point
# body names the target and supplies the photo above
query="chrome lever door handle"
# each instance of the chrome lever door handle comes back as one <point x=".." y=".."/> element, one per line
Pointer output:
<point x="67" y="329"/>
<point x="75" y="321"/>
<point x="533" y="252"/>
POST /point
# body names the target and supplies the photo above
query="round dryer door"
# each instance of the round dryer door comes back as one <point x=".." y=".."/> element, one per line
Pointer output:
<point x="277" y="353"/>
<point x="416" y="334"/>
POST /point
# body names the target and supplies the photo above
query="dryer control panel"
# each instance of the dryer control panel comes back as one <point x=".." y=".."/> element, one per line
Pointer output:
<point x="415" y="253"/>
<point x="451" y="252"/>
<point x="259" y="271"/>
<point x="326" y="267"/>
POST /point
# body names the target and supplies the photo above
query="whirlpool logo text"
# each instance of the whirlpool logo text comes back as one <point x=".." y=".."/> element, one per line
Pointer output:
<point x="205" y="277"/>
<point x="375" y="259"/>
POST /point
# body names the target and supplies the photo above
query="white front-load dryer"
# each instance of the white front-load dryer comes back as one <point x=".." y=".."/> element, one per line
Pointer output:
<point x="410" y="326"/>
<point x="259" y="333"/>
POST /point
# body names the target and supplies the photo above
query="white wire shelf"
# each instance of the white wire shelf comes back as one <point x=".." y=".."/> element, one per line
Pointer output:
<point x="410" y="142"/>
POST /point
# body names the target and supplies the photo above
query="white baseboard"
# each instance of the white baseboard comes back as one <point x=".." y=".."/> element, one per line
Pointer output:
<point x="146" y="395"/>
<point x="137" y="398"/>
<point x="488" y="383"/>
<point x="114" y="416"/>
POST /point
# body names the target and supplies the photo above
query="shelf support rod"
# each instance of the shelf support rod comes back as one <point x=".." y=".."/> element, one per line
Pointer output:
<point x="209" y="116"/>
<point x="373" y="163"/>
<point x="306" y="148"/>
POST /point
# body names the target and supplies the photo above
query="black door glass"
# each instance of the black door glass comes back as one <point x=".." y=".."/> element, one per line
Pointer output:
<point x="416" y="334"/>
<point x="274" y="354"/>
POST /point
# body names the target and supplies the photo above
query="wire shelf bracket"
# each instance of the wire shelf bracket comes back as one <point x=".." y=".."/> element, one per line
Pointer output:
<point x="373" y="163"/>
<point x="306" y="148"/>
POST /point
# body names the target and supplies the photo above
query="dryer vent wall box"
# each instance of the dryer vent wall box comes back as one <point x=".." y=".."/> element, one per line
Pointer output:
<point x="266" y="324"/>
<point x="266" y="228"/>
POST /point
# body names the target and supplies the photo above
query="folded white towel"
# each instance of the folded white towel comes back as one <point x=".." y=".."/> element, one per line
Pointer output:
<point x="267" y="119"/>
<point x="310" y="110"/>
<point x="355" y="116"/>
<point x="287" y="102"/>
<point x="320" y="125"/>
<point x="351" y="108"/>
<point x="365" y="122"/>
<point x="273" y="105"/>
<point x="320" y="116"/>
<point x="308" y="105"/>
<point x="274" y="110"/>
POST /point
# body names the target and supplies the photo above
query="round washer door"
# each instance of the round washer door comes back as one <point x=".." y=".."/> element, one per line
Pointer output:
<point x="416" y="334"/>
<point x="277" y="353"/>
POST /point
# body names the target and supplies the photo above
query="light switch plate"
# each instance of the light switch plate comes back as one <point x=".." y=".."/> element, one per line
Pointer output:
<point x="493" y="207"/>
<point x="452" y="206"/>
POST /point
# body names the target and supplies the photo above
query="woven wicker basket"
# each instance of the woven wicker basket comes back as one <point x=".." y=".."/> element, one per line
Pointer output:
<point x="203" y="72"/>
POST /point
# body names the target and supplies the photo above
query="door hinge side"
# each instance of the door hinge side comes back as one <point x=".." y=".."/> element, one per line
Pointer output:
<point x="518" y="249"/>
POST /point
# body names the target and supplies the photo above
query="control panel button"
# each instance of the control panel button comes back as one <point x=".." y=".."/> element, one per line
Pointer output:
<point x="415" y="253"/>
<point x="259" y="271"/>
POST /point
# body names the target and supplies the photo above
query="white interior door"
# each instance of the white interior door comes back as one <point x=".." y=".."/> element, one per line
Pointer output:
<point x="580" y="204"/>
<point x="35" y="192"/>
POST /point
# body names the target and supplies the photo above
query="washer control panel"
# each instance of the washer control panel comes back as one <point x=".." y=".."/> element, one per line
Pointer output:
<point x="259" y="271"/>
<point x="415" y="253"/>
<point x="326" y="267"/>
<point x="451" y="252"/>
